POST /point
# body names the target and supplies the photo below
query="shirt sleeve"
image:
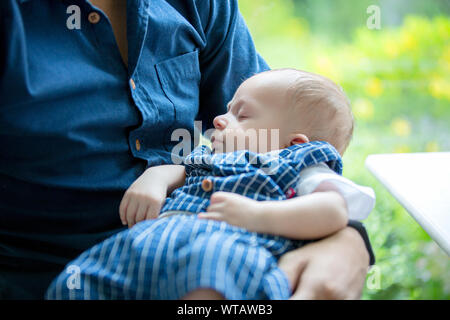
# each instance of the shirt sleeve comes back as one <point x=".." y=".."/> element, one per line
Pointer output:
<point x="228" y="58"/>
<point x="360" y="199"/>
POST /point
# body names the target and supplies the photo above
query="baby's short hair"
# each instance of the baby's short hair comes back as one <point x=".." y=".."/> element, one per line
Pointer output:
<point x="324" y="105"/>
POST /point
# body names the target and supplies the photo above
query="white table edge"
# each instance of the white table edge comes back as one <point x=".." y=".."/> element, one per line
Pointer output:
<point x="433" y="230"/>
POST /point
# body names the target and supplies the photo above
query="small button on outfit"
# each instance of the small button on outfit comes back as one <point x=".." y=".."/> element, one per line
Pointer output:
<point x="138" y="145"/>
<point x="207" y="185"/>
<point x="94" y="17"/>
<point x="133" y="85"/>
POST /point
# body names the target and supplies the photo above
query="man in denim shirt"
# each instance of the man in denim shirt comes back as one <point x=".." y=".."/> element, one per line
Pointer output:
<point x="90" y="92"/>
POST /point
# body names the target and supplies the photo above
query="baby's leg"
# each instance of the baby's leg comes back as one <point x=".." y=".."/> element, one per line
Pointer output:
<point x="203" y="294"/>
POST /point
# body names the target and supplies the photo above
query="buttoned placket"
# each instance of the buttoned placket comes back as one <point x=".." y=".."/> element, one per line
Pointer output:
<point x="105" y="38"/>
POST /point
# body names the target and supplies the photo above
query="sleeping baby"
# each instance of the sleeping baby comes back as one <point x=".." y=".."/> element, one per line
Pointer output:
<point x="214" y="227"/>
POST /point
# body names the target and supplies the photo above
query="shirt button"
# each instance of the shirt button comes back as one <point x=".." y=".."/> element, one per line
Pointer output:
<point x="133" y="85"/>
<point x="207" y="185"/>
<point x="138" y="145"/>
<point x="94" y="17"/>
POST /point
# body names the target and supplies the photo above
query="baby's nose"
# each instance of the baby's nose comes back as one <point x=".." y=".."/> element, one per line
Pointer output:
<point x="219" y="123"/>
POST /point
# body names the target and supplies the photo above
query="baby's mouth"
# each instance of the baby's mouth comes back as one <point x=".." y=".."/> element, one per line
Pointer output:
<point x="215" y="145"/>
<point x="214" y="140"/>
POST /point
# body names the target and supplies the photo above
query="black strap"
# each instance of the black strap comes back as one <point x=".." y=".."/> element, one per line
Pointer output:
<point x="362" y="231"/>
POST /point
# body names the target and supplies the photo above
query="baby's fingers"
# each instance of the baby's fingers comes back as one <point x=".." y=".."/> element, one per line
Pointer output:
<point x="152" y="212"/>
<point x="132" y="208"/>
<point x="123" y="209"/>
<point x="141" y="212"/>
<point x="211" y="215"/>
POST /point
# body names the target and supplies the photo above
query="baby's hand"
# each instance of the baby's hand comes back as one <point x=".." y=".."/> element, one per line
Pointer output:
<point x="143" y="200"/>
<point x="234" y="209"/>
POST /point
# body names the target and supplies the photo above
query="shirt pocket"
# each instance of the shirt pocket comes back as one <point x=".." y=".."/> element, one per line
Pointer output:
<point x="179" y="78"/>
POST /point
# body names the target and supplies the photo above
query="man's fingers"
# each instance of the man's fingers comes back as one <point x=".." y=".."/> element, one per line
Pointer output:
<point x="317" y="289"/>
<point x="293" y="264"/>
<point x="304" y="292"/>
<point x="307" y="288"/>
<point x="304" y="285"/>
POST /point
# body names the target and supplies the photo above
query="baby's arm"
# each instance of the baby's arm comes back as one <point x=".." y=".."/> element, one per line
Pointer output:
<point x="339" y="195"/>
<point x="311" y="216"/>
<point x="326" y="201"/>
<point x="146" y="196"/>
<point x="171" y="175"/>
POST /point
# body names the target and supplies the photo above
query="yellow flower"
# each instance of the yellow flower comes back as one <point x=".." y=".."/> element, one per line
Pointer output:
<point x="374" y="87"/>
<point x="446" y="56"/>
<point x="408" y="42"/>
<point x="391" y="48"/>
<point x="442" y="27"/>
<point x="440" y="88"/>
<point x="444" y="61"/>
<point x="402" y="149"/>
<point x="401" y="127"/>
<point x="363" y="109"/>
<point x="325" y="66"/>
<point x="432" y="146"/>
<point x="294" y="28"/>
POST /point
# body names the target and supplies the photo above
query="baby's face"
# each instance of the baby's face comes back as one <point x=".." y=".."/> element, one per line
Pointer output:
<point x="257" y="117"/>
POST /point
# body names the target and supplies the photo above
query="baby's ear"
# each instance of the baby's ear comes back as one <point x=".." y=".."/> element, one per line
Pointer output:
<point x="297" y="138"/>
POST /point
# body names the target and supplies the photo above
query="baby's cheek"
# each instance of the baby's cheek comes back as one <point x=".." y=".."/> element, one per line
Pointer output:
<point x="235" y="139"/>
<point x="269" y="140"/>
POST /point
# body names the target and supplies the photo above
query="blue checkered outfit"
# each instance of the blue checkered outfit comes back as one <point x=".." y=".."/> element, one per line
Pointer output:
<point x="167" y="257"/>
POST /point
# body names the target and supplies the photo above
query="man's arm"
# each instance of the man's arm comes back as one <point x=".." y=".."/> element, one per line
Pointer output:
<point x="332" y="268"/>
<point x="228" y="58"/>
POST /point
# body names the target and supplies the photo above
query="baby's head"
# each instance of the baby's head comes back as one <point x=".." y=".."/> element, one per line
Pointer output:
<point x="301" y="106"/>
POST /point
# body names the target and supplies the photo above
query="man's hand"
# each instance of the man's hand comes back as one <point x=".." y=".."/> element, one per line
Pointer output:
<point x="234" y="209"/>
<point x="332" y="268"/>
<point x="143" y="200"/>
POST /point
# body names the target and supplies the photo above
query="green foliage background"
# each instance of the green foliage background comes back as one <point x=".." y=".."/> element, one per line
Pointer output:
<point x="398" y="79"/>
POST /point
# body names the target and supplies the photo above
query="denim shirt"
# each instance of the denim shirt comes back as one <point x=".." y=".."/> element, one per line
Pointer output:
<point x="77" y="126"/>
